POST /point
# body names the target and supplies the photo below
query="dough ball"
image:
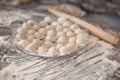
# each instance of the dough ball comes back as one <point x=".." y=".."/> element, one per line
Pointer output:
<point x="49" y="27"/>
<point x="31" y="22"/>
<point x="63" y="51"/>
<point x="30" y="38"/>
<point x="31" y="32"/>
<point x="23" y="32"/>
<point x="53" y="51"/>
<point x="21" y="36"/>
<point x="59" y="46"/>
<point x="26" y="26"/>
<point x="78" y="31"/>
<point x="37" y="42"/>
<point x="80" y="40"/>
<point x="59" y="28"/>
<point x="71" y="46"/>
<point x="51" y="33"/>
<point x="66" y="30"/>
<point x="55" y="23"/>
<point x="42" y="30"/>
<point x="31" y="48"/>
<point x="43" y="23"/>
<point x="36" y="27"/>
<point x="48" y="19"/>
<point x="62" y="40"/>
<point x="61" y="20"/>
<point x="23" y="43"/>
<point x="39" y="35"/>
<point x="54" y="27"/>
<point x="48" y="44"/>
<point x="70" y="34"/>
<point x="42" y="50"/>
<point x="68" y="49"/>
<point x="82" y="36"/>
<point x="50" y="38"/>
<point x="60" y="34"/>
<point x="72" y="40"/>
<point x="74" y="27"/>
<point x="67" y="24"/>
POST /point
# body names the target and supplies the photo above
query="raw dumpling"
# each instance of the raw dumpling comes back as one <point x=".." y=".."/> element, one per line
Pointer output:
<point x="53" y="51"/>
<point x="62" y="40"/>
<point x="72" y="40"/>
<point x="55" y="23"/>
<point x="51" y="38"/>
<point x="61" y="20"/>
<point x="23" y="43"/>
<point x="31" y="48"/>
<point x="42" y="50"/>
<point x="48" y="19"/>
<point x="48" y="44"/>
<point x="70" y="34"/>
<point x="31" y="22"/>
<point x="67" y="24"/>
<point x="74" y="27"/>
<point x="43" y="23"/>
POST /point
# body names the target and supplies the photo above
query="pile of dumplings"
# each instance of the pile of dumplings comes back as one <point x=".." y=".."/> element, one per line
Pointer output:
<point x="51" y="37"/>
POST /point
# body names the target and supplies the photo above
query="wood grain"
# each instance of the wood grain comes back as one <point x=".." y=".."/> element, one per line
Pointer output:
<point x="91" y="63"/>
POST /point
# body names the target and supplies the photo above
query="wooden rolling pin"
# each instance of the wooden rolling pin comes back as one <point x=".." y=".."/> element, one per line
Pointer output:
<point x="100" y="33"/>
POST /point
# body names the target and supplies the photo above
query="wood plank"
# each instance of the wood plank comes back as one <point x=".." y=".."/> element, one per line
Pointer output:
<point x="90" y="63"/>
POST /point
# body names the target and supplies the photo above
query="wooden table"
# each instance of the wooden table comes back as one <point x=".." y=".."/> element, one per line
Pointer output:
<point x="95" y="62"/>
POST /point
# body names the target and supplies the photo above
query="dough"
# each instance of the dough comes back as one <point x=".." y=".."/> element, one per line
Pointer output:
<point x="72" y="40"/>
<point x="74" y="27"/>
<point x="31" y="32"/>
<point x="59" y="45"/>
<point x="66" y="30"/>
<point x="42" y="50"/>
<point x="48" y="19"/>
<point x="43" y="23"/>
<point x="21" y="36"/>
<point x="37" y="42"/>
<point x="53" y="51"/>
<point x="38" y="35"/>
<point x="59" y="28"/>
<point x="51" y="33"/>
<point x="60" y="34"/>
<point x="30" y="38"/>
<point x="32" y="48"/>
<point x="55" y="23"/>
<point x="67" y="24"/>
<point x="51" y="38"/>
<point x="48" y="44"/>
<point x="69" y="48"/>
<point x="80" y="40"/>
<point x="31" y="22"/>
<point x="61" y="20"/>
<point x="23" y="43"/>
<point x="79" y="31"/>
<point x="36" y="27"/>
<point x="63" y="51"/>
<point x="49" y="27"/>
<point x="62" y="40"/>
<point x="70" y="34"/>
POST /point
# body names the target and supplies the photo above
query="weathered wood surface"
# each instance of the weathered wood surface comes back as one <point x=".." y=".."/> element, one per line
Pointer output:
<point x="92" y="63"/>
<point x="97" y="6"/>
